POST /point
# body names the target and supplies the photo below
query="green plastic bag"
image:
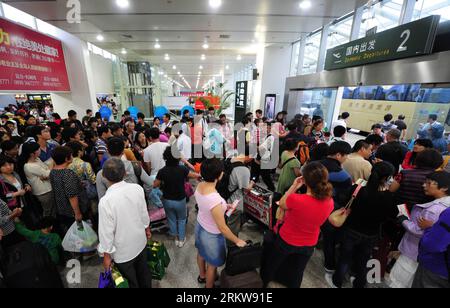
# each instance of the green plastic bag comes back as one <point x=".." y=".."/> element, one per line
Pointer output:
<point x="158" y="259"/>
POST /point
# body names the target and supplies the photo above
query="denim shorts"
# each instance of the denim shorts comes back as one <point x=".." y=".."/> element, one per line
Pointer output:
<point x="211" y="247"/>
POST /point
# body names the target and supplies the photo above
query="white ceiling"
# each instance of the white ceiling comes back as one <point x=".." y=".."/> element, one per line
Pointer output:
<point x="182" y="26"/>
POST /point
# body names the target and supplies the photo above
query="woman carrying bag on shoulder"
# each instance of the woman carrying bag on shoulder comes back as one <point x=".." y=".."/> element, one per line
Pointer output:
<point x="371" y="208"/>
<point x="299" y="234"/>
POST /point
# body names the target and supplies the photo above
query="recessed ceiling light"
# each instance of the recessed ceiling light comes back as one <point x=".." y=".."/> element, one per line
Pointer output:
<point x="123" y="3"/>
<point x="124" y="52"/>
<point x="239" y="58"/>
<point x="215" y="3"/>
<point x="201" y="67"/>
<point x="100" y="37"/>
<point x="199" y="73"/>
<point x="205" y="46"/>
<point x="157" y="45"/>
<point x="305" y="4"/>
<point x="203" y="57"/>
<point x="227" y="67"/>
<point x="166" y="57"/>
<point x="179" y="73"/>
<point x="174" y="67"/>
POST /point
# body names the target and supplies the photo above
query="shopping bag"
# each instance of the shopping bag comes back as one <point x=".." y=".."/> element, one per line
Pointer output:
<point x="158" y="259"/>
<point x="119" y="281"/>
<point x="105" y="281"/>
<point x="80" y="238"/>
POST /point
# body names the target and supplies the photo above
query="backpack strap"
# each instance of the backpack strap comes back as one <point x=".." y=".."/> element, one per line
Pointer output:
<point x="287" y="162"/>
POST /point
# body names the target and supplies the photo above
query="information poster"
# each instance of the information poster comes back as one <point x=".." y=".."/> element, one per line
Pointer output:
<point x="30" y="61"/>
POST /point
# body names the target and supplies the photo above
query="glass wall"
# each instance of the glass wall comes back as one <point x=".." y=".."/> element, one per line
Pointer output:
<point x="340" y="32"/>
<point x="316" y="103"/>
<point x="311" y="53"/>
<point x="424" y="8"/>
<point x="368" y="105"/>
<point x="383" y="15"/>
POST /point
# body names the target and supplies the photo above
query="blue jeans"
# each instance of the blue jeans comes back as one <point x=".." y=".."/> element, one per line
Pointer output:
<point x="176" y="212"/>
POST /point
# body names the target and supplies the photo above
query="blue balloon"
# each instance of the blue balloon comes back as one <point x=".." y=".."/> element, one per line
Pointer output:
<point x="105" y="112"/>
<point x="191" y="110"/>
<point x="133" y="112"/>
<point x="160" y="111"/>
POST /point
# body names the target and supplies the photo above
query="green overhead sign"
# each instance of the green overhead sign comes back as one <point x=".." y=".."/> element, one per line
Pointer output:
<point x="408" y="40"/>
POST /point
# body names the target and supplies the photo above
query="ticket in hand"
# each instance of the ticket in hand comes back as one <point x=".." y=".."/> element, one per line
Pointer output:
<point x="233" y="208"/>
<point x="403" y="211"/>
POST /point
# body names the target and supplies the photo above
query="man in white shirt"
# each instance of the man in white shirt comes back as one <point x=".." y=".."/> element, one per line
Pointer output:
<point x="166" y="122"/>
<point x="124" y="226"/>
<point x="342" y="121"/>
<point x="153" y="154"/>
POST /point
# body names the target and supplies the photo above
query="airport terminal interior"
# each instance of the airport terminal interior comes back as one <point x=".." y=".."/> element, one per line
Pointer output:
<point x="234" y="144"/>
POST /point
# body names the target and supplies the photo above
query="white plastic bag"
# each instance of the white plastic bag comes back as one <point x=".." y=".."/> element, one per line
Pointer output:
<point x="80" y="238"/>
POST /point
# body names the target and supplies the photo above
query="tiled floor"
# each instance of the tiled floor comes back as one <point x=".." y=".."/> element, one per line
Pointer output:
<point x="182" y="271"/>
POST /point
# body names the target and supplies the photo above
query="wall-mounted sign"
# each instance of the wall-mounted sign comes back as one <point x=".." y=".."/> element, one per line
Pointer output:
<point x="408" y="40"/>
<point x="30" y="61"/>
<point x="241" y="94"/>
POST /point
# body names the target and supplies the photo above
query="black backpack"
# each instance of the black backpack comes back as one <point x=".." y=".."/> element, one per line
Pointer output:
<point x="224" y="183"/>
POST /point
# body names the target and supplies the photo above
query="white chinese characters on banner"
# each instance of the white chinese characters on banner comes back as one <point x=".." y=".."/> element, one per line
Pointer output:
<point x="356" y="49"/>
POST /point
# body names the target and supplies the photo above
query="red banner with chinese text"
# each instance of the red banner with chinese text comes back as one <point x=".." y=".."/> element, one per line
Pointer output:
<point x="30" y="61"/>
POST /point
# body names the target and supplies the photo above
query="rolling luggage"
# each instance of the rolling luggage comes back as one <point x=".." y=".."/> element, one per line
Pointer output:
<point x="248" y="280"/>
<point x="158" y="219"/>
<point x="29" y="265"/>
<point x="242" y="260"/>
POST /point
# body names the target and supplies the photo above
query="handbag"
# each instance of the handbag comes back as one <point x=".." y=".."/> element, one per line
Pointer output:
<point x="242" y="260"/>
<point x="188" y="189"/>
<point x="11" y="202"/>
<point x="90" y="189"/>
<point x="339" y="217"/>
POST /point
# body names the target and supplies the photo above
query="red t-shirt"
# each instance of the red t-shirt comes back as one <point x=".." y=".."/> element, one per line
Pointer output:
<point x="304" y="217"/>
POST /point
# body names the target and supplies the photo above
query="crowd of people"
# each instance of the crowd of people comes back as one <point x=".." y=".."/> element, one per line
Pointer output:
<point x="55" y="172"/>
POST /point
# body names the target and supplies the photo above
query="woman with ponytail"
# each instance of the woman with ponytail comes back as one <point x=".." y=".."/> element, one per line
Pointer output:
<point x="372" y="207"/>
<point x="299" y="234"/>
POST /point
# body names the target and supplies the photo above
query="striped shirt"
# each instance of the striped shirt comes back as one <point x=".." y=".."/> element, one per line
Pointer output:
<point x="411" y="187"/>
<point x="6" y="224"/>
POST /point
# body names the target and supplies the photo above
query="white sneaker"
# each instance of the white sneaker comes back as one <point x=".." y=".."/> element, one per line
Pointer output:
<point x="329" y="280"/>
<point x="181" y="243"/>
<point x="352" y="280"/>
<point x="177" y="243"/>
<point x="330" y="272"/>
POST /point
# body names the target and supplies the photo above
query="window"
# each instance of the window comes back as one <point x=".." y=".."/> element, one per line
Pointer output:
<point x="311" y="53"/>
<point x="340" y="32"/>
<point x="424" y="8"/>
<point x="383" y="15"/>
<point x="294" y="60"/>
<point x="18" y="16"/>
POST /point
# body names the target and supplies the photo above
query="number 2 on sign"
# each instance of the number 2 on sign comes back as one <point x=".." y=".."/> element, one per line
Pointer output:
<point x="402" y="46"/>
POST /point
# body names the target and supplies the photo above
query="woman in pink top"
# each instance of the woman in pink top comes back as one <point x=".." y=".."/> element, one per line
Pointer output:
<point x="211" y="229"/>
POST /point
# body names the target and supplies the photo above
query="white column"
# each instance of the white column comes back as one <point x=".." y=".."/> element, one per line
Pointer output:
<point x="323" y="48"/>
<point x="407" y="11"/>
<point x="81" y="78"/>
<point x="356" y="26"/>
<point x="277" y="60"/>
<point x="301" y="54"/>
<point x="1" y="10"/>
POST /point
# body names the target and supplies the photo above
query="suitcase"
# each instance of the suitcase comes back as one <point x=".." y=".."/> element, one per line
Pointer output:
<point x="158" y="219"/>
<point x="29" y="265"/>
<point x="248" y="280"/>
<point x="242" y="260"/>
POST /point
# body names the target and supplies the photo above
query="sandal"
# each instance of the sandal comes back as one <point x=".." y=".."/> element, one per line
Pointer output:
<point x="201" y="280"/>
